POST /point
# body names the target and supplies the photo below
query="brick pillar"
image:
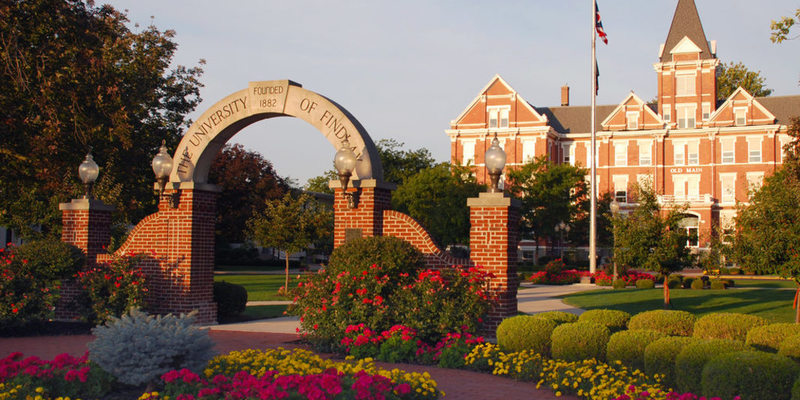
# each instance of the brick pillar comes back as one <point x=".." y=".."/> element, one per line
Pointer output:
<point x="366" y="219"/>
<point x="86" y="224"/>
<point x="493" y="239"/>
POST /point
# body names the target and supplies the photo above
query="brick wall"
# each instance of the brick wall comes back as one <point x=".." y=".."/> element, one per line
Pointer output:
<point x="366" y="219"/>
<point x="404" y="227"/>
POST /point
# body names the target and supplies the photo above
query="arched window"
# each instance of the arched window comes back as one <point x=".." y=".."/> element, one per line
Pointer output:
<point x="692" y="225"/>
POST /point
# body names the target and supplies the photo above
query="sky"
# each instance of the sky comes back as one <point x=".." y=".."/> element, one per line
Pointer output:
<point x="405" y="69"/>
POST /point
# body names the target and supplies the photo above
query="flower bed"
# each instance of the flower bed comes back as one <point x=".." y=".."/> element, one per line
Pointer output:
<point x="601" y="278"/>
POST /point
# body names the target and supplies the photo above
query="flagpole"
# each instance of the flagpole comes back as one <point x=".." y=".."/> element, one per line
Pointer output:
<point x="593" y="182"/>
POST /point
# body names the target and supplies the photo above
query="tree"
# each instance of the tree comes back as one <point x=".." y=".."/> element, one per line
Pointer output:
<point x="550" y="194"/>
<point x="651" y="238"/>
<point x="734" y="75"/>
<point x="579" y="230"/>
<point x="782" y="27"/>
<point x="398" y="164"/>
<point x="319" y="183"/>
<point x="290" y="224"/>
<point x="246" y="179"/>
<point x="73" y="76"/>
<point x="437" y="198"/>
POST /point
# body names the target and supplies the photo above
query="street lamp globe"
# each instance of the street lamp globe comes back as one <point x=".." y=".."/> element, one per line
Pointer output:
<point x="162" y="166"/>
<point x="495" y="159"/>
<point x="88" y="171"/>
<point x="345" y="162"/>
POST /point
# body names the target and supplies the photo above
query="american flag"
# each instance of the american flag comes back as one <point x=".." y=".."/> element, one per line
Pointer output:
<point x="598" y="25"/>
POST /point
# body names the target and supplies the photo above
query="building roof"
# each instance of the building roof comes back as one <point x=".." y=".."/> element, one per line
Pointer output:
<point x="686" y="23"/>
<point x="575" y="119"/>
<point x="783" y="107"/>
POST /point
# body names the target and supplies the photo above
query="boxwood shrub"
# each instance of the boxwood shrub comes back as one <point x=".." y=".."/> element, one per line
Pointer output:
<point x="394" y="255"/>
<point x="629" y="346"/>
<point x="579" y="341"/>
<point x="560" y="317"/>
<point x="645" y="284"/>
<point x="749" y="375"/>
<point x="674" y="281"/>
<point x="659" y="357"/>
<point x="231" y="299"/>
<point x="769" y="337"/>
<point x="790" y="347"/>
<point x="670" y="322"/>
<point x="731" y="326"/>
<point x="614" y="320"/>
<point x="693" y="357"/>
<point x="718" y="284"/>
<point x="620" y="283"/>
<point x="687" y="282"/>
<point x="698" y="284"/>
<point x="525" y="332"/>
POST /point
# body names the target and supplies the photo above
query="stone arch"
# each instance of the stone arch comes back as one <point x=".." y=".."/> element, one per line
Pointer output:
<point x="263" y="100"/>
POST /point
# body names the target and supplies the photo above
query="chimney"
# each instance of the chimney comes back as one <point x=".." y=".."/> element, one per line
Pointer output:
<point x="565" y="95"/>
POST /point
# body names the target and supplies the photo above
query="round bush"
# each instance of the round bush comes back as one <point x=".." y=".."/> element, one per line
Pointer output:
<point x="525" y="332"/>
<point x="749" y="375"/>
<point x="51" y="258"/>
<point x="578" y="341"/>
<point x="717" y="284"/>
<point x="687" y="282"/>
<point x="769" y="337"/>
<point x="670" y="322"/>
<point x="690" y="361"/>
<point x="614" y="320"/>
<point x="731" y="326"/>
<point x="629" y="347"/>
<point x="790" y="347"/>
<point x="674" y="282"/>
<point x="231" y="299"/>
<point x="729" y="283"/>
<point x="659" y="357"/>
<point x="620" y="283"/>
<point x="698" y="284"/>
<point x="560" y="317"/>
<point x="394" y="255"/>
<point x="645" y="284"/>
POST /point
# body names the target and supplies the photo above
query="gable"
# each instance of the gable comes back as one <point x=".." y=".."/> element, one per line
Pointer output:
<point x="632" y="107"/>
<point x="740" y="101"/>
<point x="498" y="95"/>
<point x="685" y="46"/>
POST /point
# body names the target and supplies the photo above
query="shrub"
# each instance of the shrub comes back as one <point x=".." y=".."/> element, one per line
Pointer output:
<point x="673" y="282"/>
<point x="698" y="284"/>
<point x="394" y="255"/>
<point x="567" y="277"/>
<point x="555" y="267"/>
<point x="659" y="357"/>
<point x="790" y="347"/>
<point x="629" y="347"/>
<point x="687" y="282"/>
<point x="769" y="337"/>
<point x="138" y="348"/>
<point x="718" y="284"/>
<point x="729" y="283"/>
<point x="645" y="284"/>
<point x="735" y="271"/>
<point x="614" y="320"/>
<point x="731" y="326"/>
<point x="620" y="283"/>
<point x="690" y="361"/>
<point x="114" y="289"/>
<point x="578" y="341"/>
<point x="231" y="299"/>
<point x="525" y="332"/>
<point x="750" y="375"/>
<point x="51" y="258"/>
<point x="560" y="317"/>
<point x="670" y="322"/>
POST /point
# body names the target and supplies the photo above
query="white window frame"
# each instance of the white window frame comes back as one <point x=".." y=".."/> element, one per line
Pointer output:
<point x="468" y="152"/>
<point x="678" y="152"/>
<point x="693" y="152"/>
<point x="727" y="196"/>
<point x="568" y="153"/>
<point x="620" y="188"/>
<point x="740" y="116"/>
<point x="685" y="83"/>
<point x="686" y="116"/>
<point x="728" y="151"/>
<point x="754" y="153"/>
<point x="498" y="116"/>
<point x="754" y="180"/>
<point x="784" y="140"/>
<point x="632" y="120"/>
<point x="504" y="117"/>
<point x="621" y="153"/>
<point x="706" y="108"/>
<point x="666" y="112"/>
<point x="693" y="187"/>
<point x="528" y="150"/>
<point x="645" y="148"/>
<point x="493" y="118"/>
<point x="679" y="187"/>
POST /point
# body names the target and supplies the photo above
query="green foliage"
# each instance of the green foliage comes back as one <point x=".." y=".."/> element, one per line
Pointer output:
<point x="718" y="284"/>
<point x="769" y="337"/>
<point x="231" y="299"/>
<point x="687" y="282"/>
<point x="782" y="27"/>
<point x="790" y="347"/>
<point x="50" y="259"/>
<point x="645" y="284"/>
<point x="436" y="197"/>
<point x="101" y="85"/>
<point x="397" y="350"/>
<point x="398" y="164"/>
<point x="113" y="289"/>
<point x="629" y="347"/>
<point x="660" y="355"/>
<point x="749" y="375"/>
<point x="620" y="283"/>
<point x="614" y="320"/>
<point x="670" y="322"/>
<point x="319" y="184"/>
<point x="698" y="284"/>
<point x="730" y="326"/>
<point x="394" y="255"/>
<point x="579" y="341"/>
<point x="139" y="348"/>
<point x="525" y="332"/>
<point x="693" y="357"/>
<point x="674" y="282"/>
<point x="733" y="75"/>
<point x="560" y="317"/>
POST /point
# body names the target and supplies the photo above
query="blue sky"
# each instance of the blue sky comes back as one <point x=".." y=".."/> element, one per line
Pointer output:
<point x="405" y="69"/>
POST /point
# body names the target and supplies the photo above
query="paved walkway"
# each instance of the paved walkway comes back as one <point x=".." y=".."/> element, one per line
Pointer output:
<point x="281" y="332"/>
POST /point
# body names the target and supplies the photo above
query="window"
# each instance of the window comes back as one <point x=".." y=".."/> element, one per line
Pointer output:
<point x="621" y="154"/>
<point x="493" y="114"/>
<point x="784" y="142"/>
<point x="727" y="224"/>
<point x="692" y="225"/>
<point x="504" y="118"/>
<point x="728" y="187"/>
<point x="568" y="153"/>
<point x="706" y="111"/>
<point x="632" y="117"/>
<point x="667" y="113"/>
<point x="684" y="85"/>
<point x="620" y="188"/>
<point x="498" y="117"/>
<point x="679" y="187"/>
<point x="754" y="181"/>
<point x="588" y="147"/>
<point x="678" y="152"/>
<point x="754" y="149"/>
<point x="693" y="153"/>
<point x="693" y="187"/>
<point x="645" y="152"/>
<point x="728" y="150"/>
<point x="468" y="154"/>
<point x="528" y="150"/>
<point x="686" y="115"/>
<point x="740" y="115"/>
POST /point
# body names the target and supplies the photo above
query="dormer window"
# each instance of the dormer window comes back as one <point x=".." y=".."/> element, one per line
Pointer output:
<point x="740" y="116"/>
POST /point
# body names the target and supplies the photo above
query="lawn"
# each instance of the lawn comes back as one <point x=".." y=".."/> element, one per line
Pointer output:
<point x="765" y="283"/>
<point x="773" y="305"/>
<point x="259" y="287"/>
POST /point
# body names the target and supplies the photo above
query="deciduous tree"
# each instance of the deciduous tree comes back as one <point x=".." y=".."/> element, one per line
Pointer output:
<point x="734" y="75"/>
<point x="782" y="27"/>
<point x="399" y="164"/>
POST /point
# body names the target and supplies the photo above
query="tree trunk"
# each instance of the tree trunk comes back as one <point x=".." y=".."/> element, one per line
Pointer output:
<point x="286" y="284"/>
<point x="796" y="306"/>
<point x="666" y="292"/>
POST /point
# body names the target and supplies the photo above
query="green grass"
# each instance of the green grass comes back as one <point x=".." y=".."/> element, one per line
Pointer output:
<point x="260" y="268"/>
<point x="765" y="283"/>
<point x="252" y="313"/>
<point x="259" y="287"/>
<point x="773" y="305"/>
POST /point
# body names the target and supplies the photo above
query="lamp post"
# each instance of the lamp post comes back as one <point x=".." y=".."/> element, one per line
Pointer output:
<point x="495" y="160"/>
<point x="345" y="162"/>
<point x="162" y="167"/>
<point x="614" y="212"/>
<point x="561" y="228"/>
<point x="88" y="171"/>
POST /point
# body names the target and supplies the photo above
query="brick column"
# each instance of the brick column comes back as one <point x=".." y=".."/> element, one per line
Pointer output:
<point x="86" y="224"/>
<point x="372" y="197"/>
<point x="493" y="238"/>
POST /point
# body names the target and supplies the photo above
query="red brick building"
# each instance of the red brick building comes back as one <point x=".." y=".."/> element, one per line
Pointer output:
<point x="693" y="147"/>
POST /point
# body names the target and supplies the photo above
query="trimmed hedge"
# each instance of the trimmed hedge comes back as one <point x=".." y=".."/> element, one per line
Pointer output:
<point x="560" y="317"/>
<point x="692" y="359"/>
<point x="614" y="320"/>
<point x="750" y="375"/>
<point x="731" y="326"/>
<point x="659" y="357"/>
<point x="717" y="284"/>
<point x="629" y="347"/>
<point x="698" y="284"/>
<point x="645" y="284"/>
<point x="790" y="347"/>
<point x="674" y="282"/>
<point x="231" y="299"/>
<point x="769" y="337"/>
<point x="393" y="255"/>
<point x="620" y="283"/>
<point x="670" y="322"/>
<point x="525" y="332"/>
<point x="578" y="341"/>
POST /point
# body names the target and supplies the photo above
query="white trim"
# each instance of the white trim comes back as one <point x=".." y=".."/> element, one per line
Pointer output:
<point x="685" y="46"/>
